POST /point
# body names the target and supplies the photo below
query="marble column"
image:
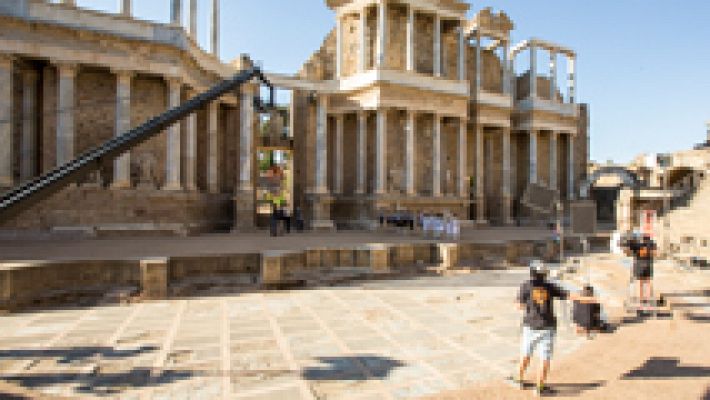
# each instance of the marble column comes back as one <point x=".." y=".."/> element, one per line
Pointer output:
<point x="480" y="176"/>
<point x="361" y="152"/>
<point x="213" y="147"/>
<point x="532" y="170"/>
<point x="571" y="78"/>
<point x="176" y="12"/>
<point x="381" y="33"/>
<point x="462" y="52"/>
<point x="214" y="45"/>
<point x="30" y="116"/>
<point x="463" y="145"/>
<point x="321" y="172"/>
<point x="410" y="152"/>
<point x="533" y="72"/>
<point x="436" y="157"/>
<point x="437" y="45"/>
<point x="7" y="146"/>
<point x="410" y="38"/>
<point x="192" y="19"/>
<point x="125" y="8"/>
<point x="338" y="181"/>
<point x="172" y="158"/>
<point x="570" y="168"/>
<point x="553" y="75"/>
<point x="364" y="47"/>
<point x="553" y="161"/>
<point x="66" y="104"/>
<point x="191" y="152"/>
<point x="506" y="70"/>
<point x="122" y="164"/>
<point x="245" y="200"/>
<point x="381" y="153"/>
<point x="507" y="178"/>
<point x="479" y="63"/>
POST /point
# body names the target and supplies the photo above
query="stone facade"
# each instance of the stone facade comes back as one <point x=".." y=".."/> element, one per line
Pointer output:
<point x="479" y="137"/>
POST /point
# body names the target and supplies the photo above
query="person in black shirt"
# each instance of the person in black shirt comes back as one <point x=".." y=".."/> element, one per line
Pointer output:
<point x="643" y="250"/>
<point x="539" y="322"/>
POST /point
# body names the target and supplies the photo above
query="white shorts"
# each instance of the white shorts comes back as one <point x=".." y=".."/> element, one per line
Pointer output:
<point x="542" y="339"/>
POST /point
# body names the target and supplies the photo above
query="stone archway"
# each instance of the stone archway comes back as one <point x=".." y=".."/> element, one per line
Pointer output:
<point x="628" y="178"/>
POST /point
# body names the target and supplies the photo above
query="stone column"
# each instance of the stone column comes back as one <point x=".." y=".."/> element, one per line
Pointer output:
<point x="122" y="164"/>
<point x="244" y="207"/>
<point x="125" y="8"/>
<point x="533" y="72"/>
<point x="338" y="181"/>
<point x="322" y="145"/>
<point x="410" y="161"/>
<point x="213" y="147"/>
<point x="364" y="48"/>
<point x="553" y="75"/>
<point x="507" y="178"/>
<point x="570" y="168"/>
<point x="436" y="157"/>
<point x="28" y="155"/>
<point x="176" y="12"/>
<point x="192" y="22"/>
<point x="172" y="158"/>
<point x="191" y="152"/>
<point x="7" y="146"/>
<point x="361" y="152"/>
<point x="532" y="173"/>
<point x="381" y="33"/>
<point x="479" y="64"/>
<point x="338" y="47"/>
<point x="553" y="160"/>
<point x="65" y="112"/>
<point x="480" y="176"/>
<point x="506" y="70"/>
<point x="381" y="153"/>
<point x="437" y="45"/>
<point x="410" y="38"/>
<point x="215" y="28"/>
<point x="463" y="145"/>
<point x="571" y="78"/>
<point x="462" y="52"/>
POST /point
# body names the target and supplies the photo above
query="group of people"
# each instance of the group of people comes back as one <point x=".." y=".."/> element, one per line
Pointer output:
<point x="535" y="298"/>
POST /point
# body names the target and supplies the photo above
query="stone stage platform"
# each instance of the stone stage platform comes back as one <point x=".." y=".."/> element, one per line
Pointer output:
<point x="50" y="272"/>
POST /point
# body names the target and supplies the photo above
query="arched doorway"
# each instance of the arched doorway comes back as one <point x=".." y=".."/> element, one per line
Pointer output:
<point x="604" y="186"/>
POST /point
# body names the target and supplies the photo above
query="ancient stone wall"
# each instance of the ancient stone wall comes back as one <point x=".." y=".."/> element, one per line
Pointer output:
<point x="350" y="153"/>
<point x="350" y="31"/>
<point x="396" y="50"/>
<point x="148" y="99"/>
<point x="396" y="150"/>
<point x="424" y="43"/>
<point x="424" y="152"/>
<point x="48" y="120"/>
<point x="449" y="156"/>
<point x="450" y="49"/>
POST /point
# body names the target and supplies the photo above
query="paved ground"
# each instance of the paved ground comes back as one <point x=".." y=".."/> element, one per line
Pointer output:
<point x="447" y="337"/>
<point x="399" y="339"/>
<point x="81" y="249"/>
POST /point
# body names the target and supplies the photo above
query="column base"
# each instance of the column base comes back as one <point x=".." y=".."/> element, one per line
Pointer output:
<point x="121" y="185"/>
<point x="172" y="187"/>
<point x="244" y="211"/>
<point x="320" y="211"/>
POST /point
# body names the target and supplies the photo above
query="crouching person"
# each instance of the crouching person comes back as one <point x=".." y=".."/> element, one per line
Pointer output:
<point x="535" y="298"/>
<point x="587" y="314"/>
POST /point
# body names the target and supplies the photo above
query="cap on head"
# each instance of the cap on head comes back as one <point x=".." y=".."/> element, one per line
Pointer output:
<point x="538" y="267"/>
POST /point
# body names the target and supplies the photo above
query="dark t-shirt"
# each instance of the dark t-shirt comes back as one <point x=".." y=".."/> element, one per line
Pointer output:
<point x="537" y="299"/>
<point x="643" y="252"/>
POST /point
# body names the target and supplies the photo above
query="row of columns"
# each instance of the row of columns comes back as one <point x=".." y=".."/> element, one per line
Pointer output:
<point x="380" y="174"/>
<point x="534" y="171"/>
<point x="381" y="42"/>
<point x="65" y="130"/>
<point x="571" y="74"/>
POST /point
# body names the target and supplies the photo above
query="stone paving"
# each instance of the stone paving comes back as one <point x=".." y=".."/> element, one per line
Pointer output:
<point x="377" y="340"/>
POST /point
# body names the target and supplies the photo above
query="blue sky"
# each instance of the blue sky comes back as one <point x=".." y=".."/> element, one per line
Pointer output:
<point x="643" y="65"/>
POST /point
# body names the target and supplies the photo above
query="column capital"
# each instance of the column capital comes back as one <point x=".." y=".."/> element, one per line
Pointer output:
<point x="6" y="58"/>
<point x="30" y="75"/>
<point x="66" y="68"/>
<point x="124" y="73"/>
<point x="173" y="81"/>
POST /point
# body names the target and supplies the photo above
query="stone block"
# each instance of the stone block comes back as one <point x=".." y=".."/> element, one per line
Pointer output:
<point x="6" y="295"/>
<point x="271" y="268"/>
<point x="313" y="258"/>
<point x="423" y="253"/>
<point x="379" y="260"/>
<point x="402" y="255"/>
<point x="346" y="258"/>
<point x="448" y="254"/>
<point x="329" y="258"/>
<point x="154" y="278"/>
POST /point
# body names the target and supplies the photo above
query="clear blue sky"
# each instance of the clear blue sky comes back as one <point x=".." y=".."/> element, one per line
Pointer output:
<point x="643" y="65"/>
